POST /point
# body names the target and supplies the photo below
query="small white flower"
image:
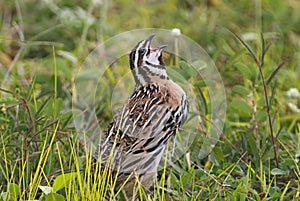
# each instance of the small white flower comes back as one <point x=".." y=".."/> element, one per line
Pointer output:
<point x="46" y="189"/>
<point x="293" y="93"/>
<point x="293" y="107"/>
<point x="249" y="36"/>
<point x="176" y="32"/>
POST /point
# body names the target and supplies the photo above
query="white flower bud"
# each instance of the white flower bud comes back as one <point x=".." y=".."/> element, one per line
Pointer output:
<point x="293" y="107"/>
<point x="176" y="32"/>
<point x="293" y="93"/>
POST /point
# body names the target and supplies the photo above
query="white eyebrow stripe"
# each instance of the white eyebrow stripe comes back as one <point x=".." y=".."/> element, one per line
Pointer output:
<point x="136" y="54"/>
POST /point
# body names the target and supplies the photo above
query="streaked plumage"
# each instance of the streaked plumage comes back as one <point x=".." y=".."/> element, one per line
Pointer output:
<point x="139" y="132"/>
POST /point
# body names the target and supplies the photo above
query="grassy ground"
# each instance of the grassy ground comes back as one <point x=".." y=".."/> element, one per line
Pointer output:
<point x="254" y="44"/>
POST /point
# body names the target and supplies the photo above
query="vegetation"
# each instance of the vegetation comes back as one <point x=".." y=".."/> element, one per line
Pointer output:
<point x="255" y="46"/>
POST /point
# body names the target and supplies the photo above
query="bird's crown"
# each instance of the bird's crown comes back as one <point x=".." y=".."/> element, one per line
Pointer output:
<point x="147" y="62"/>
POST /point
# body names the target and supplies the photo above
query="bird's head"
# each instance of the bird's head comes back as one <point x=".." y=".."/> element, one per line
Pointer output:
<point x="147" y="62"/>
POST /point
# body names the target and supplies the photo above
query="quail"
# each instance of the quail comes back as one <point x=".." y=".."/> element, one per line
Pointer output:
<point x="136" y="138"/>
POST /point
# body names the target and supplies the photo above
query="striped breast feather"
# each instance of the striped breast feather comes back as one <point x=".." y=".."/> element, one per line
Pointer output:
<point x="150" y="138"/>
<point x="132" y="123"/>
<point x="150" y="131"/>
<point x="144" y="127"/>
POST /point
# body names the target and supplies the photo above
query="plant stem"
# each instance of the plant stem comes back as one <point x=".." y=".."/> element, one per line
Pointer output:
<point x="268" y="108"/>
<point x="55" y="84"/>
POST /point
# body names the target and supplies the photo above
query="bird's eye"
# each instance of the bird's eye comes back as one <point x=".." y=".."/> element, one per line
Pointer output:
<point x="142" y="51"/>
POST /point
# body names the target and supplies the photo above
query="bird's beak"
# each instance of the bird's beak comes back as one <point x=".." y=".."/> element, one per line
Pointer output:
<point x="162" y="47"/>
<point x="159" y="48"/>
<point x="148" y="41"/>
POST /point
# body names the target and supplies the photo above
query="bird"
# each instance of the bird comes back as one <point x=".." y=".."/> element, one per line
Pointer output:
<point x="137" y="136"/>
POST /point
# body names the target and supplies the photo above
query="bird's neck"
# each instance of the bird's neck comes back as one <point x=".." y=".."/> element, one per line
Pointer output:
<point x="149" y="74"/>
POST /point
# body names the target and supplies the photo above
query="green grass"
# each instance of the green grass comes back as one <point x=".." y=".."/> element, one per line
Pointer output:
<point x="255" y="46"/>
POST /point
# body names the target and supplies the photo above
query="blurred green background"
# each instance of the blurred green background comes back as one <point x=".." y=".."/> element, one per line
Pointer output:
<point x="36" y="89"/>
<point x="77" y="27"/>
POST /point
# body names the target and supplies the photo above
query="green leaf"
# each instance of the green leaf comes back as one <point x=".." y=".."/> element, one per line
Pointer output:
<point x="42" y="78"/>
<point x="241" y="106"/>
<point x="188" y="70"/>
<point x="245" y="70"/>
<point x="261" y="116"/>
<point x="245" y="44"/>
<point x="261" y="102"/>
<point x="274" y="73"/>
<point x="239" y="89"/>
<point x="214" y="160"/>
<point x="253" y="148"/>
<point x="196" y="66"/>
<point x="13" y="190"/>
<point x="48" y="108"/>
<point x="288" y="163"/>
<point x="262" y="49"/>
<point x="202" y="103"/>
<point x="218" y="153"/>
<point x="41" y="108"/>
<point x="205" y="83"/>
<point x="241" y="192"/>
<point x="178" y="75"/>
<point x="54" y="197"/>
<point x="66" y="118"/>
<point x="277" y="171"/>
<point x="63" y="180"/>
<point x="185" y="179"/>
<point x="175" y="180"/>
